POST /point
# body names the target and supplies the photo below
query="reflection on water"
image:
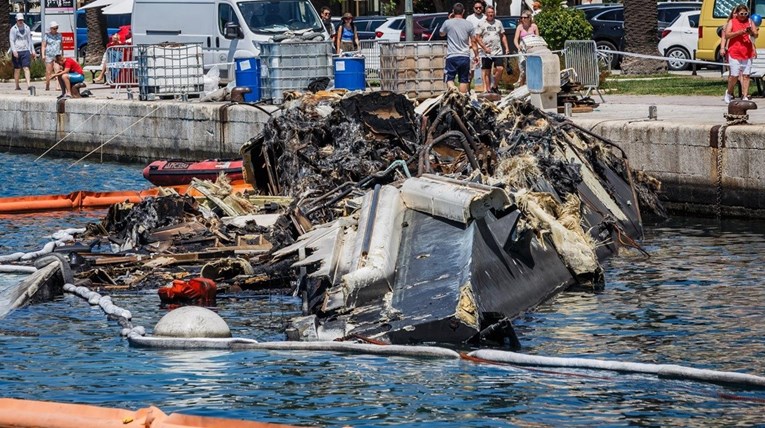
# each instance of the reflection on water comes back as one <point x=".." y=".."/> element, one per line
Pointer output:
<point x="697" y="300"/>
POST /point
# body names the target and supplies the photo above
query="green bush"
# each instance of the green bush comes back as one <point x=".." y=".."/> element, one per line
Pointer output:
<point x="37" y="68"/>
<point x="556" y="25"/>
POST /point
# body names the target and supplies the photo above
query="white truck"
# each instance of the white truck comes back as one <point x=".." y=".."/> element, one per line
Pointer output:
<point x="227" y="29"/>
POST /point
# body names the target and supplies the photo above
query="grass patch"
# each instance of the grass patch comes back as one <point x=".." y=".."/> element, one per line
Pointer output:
<point x="666" y="84"/>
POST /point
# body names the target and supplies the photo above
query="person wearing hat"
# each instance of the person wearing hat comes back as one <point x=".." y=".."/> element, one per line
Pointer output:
<point x="51" y="46"/>
<point x="22" y="49"/>
<point x="347" y="38"/>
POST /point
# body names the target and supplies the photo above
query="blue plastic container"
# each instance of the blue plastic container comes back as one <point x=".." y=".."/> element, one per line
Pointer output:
<point x="349" y="73"/>
<point x="247" y="74"/>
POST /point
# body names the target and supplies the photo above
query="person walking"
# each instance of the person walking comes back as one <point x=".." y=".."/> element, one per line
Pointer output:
<point x="70" y="74"/>
<point x="51" y="46"/>
<point x="22" y="50"/>
<point x="527" y="27"/>
<point x="736" y="43"/>
<point x="491" y="36"/>
<point x="459" y="35"/>
<point x="347" y="38"/>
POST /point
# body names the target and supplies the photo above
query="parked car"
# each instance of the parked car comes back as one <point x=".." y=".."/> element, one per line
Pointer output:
<point x="394" y="29"/>
<point x="366" y="26"/>
<point x="510" y="23"/>
<point x="608" y="24"/>
<point x="37" y="36"/>
<point x="680" y="39"/>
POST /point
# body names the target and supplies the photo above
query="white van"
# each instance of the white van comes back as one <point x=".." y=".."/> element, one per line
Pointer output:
<point x="226" y="29"/>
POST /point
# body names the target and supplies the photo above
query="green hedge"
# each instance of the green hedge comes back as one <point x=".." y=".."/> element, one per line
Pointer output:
<point x="556" y="25"/>
<point x="37" y="68"/>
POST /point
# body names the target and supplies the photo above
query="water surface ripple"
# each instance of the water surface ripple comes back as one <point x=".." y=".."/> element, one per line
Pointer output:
<point x="698" y="300"/>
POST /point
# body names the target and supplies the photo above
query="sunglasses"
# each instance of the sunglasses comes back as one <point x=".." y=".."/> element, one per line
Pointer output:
<point x="525" y="17"/>
<point x="478" y="8"/>
<point x="743" y="14"/>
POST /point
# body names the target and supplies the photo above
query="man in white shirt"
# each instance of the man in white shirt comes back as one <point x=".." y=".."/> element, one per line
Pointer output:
<point x="491" y="35"/>
<point x="474" y="18"/>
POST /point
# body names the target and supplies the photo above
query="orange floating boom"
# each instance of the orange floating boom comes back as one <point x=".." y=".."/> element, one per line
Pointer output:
<point x="86" y="199"/>
<point x="30" y="413"/>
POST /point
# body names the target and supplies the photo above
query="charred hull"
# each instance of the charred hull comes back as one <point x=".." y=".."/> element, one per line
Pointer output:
<point x="508" y="207"/>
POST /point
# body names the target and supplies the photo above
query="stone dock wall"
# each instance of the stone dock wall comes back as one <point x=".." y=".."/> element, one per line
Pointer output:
<point x="128" y="130"/>
<point x="683" y="156"/>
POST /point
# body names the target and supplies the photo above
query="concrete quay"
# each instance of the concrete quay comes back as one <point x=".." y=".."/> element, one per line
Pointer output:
<point x="679" y="147"/>
<point x="122" y="129"/>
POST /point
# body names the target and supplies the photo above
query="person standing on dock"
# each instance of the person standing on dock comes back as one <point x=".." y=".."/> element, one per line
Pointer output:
<point x="326" y="19"/>
<point x="460" y="36"/>
<point x="347" y="38"/>
<point x="51" y="46"/>
<point x="475" y="18"/>
<point x="22" y="50"/>
<point x="491" y="35"/>
<point x="70" y="74"/>
<point x="737" y="45"/>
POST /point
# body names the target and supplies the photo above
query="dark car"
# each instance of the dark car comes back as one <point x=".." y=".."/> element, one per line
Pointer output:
<point x="367" y="25"/>
<point x="510" y="23"/>
<point x="608" y="24"/>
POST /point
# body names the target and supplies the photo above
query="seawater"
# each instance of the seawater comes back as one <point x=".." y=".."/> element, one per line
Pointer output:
<point x="697" y="300"/>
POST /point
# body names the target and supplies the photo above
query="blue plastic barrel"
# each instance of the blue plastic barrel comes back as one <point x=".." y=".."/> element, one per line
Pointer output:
<point x="349" y="73"/>
<point x="248" y="75"/>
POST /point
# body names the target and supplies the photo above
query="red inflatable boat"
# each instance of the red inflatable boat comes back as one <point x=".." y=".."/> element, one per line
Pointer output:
<point x="175" y="172"/>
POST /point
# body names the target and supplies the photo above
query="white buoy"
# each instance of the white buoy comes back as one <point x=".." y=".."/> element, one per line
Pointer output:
<point x="192" y="321"/>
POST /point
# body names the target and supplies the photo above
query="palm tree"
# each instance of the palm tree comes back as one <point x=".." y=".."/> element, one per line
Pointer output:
<point x="640" y="35"/>
<point x="96" y="23"/>
<point x="5" y="25"/>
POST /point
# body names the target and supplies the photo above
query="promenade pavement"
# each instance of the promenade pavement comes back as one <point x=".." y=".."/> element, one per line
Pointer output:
<point x="691" y="110"/>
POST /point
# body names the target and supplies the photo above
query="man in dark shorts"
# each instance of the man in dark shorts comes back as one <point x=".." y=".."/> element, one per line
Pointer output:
<point x="22" y="49"/>
<point x="458" y="33"/>
<point x="490" y="34"/>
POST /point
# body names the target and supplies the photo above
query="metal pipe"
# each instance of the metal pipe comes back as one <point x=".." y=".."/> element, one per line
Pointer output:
<point x="463" y="128"/>
<point x="370" y="227"/>
<point x="424" y="165"/>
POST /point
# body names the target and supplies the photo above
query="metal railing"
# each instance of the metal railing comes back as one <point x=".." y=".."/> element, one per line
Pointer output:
<point x="582" y="57"/>
<point x="120" y="67"/>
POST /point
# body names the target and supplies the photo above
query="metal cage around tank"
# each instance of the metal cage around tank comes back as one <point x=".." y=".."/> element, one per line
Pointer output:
<point x="292" y="66"/>
<point x="170" y="70"/>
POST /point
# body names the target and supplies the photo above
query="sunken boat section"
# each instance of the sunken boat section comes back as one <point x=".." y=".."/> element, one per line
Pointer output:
<point x="441" y="223"/>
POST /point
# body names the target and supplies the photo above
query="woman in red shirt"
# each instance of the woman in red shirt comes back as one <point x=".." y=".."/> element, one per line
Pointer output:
<point x="738" y="46"/>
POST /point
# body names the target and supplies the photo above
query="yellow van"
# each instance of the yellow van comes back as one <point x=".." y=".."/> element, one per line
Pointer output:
<point x="714" y="14"/>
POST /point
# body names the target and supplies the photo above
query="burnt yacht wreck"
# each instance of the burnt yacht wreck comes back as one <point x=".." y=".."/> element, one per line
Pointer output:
<point x="440" y="224"/>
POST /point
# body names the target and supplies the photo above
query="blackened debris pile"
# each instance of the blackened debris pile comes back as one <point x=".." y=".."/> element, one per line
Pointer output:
<point x="446" y="225"/>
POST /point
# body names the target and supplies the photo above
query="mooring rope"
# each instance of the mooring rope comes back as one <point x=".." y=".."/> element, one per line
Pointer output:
<point x="117" y="135"/>
<point x="71" y="132"/>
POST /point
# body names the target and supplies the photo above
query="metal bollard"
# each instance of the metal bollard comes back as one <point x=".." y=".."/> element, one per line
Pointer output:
<point x="652" y="113"/>
<point x="693" y="66"/>
<point x="567" y="108"/>
<point x="32" y="91"/>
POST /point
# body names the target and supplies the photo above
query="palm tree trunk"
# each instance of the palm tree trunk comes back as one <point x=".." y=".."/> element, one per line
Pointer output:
<point x="5" y="25"/>
<point x="96" y="23"/>
<point x="640" y="34"/>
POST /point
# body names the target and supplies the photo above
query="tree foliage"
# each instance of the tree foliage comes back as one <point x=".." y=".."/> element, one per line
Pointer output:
<point x="557" y="24"/>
